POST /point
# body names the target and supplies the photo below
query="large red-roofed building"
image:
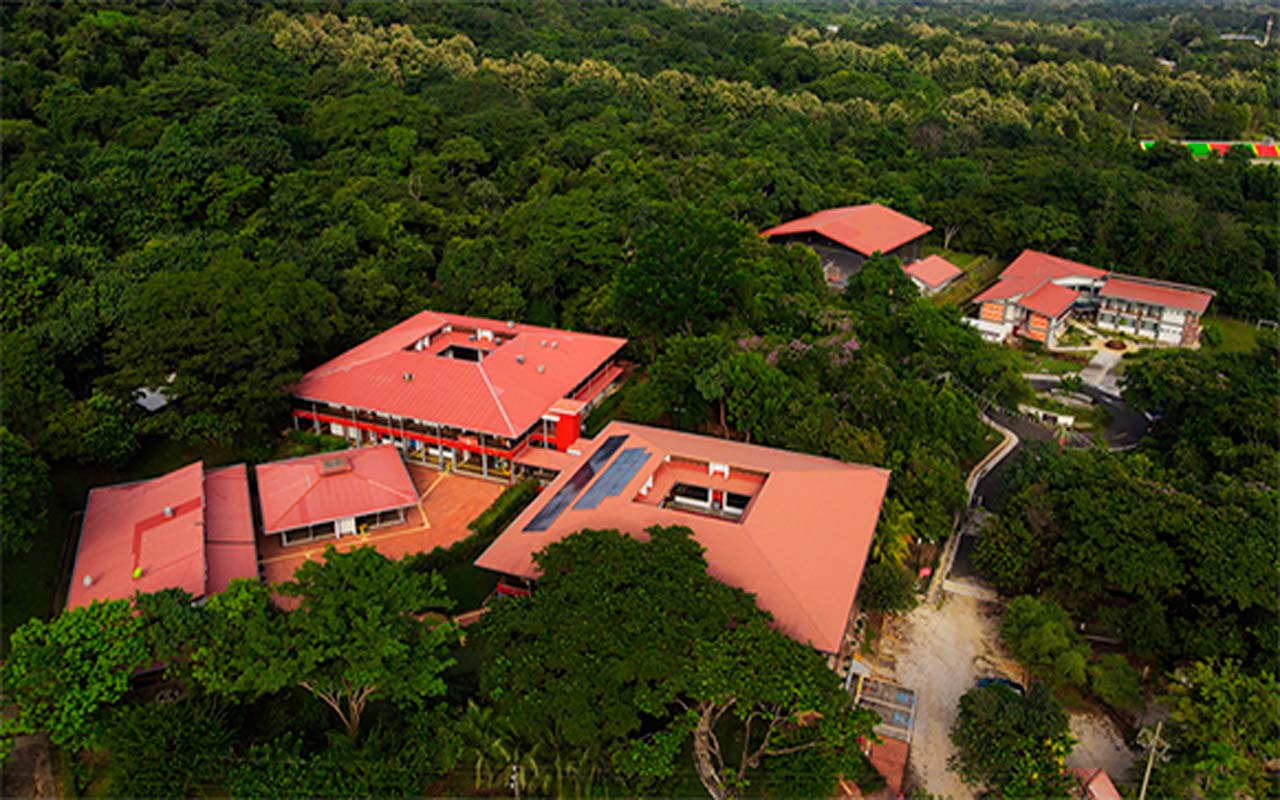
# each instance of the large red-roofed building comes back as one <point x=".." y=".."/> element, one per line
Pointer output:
<point x="795" y="530"/>
<point x="191" y="529"/>
<point x="470" y="393"/>
<point x="845" y="237"/>
<point x="1038" y="293"/>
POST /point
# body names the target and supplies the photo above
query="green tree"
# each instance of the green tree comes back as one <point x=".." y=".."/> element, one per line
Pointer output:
<point x="62" y="675"/>
<point x="1225" y="733"/>
<point x="364" y="627"/>
<point x="887" y="589"/>
<point x="1117" y="683"/>
<point x="168" y="749"/>
<point x="1039" y="633"/>
<point x="628" y="648"/>
<point x="232" y="335"/>
<point x="1013" y="745"/>
<point x="686" y="272"/>
<point x="24" y="494"/>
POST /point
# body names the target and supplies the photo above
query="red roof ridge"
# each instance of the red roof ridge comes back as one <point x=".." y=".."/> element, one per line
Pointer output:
<point x="1162" y="283"/>
<point x="496" y="400"/>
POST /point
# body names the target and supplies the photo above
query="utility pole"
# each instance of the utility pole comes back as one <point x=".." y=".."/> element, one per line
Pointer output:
<point x="1153" y="745"/>
<point x="1133" y="118"/>
<point x="515" y="780"/>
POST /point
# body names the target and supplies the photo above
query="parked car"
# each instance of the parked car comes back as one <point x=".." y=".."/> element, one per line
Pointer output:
<point x="1005" y="682"/>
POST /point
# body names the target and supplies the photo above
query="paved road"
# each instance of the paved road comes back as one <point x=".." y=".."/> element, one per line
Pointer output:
<point x="1126" y="427"/>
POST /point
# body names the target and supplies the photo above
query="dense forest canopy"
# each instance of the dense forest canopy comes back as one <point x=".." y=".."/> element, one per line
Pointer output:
<point x="208" y="198"/>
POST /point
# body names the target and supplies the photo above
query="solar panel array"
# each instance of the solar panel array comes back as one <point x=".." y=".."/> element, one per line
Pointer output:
<point x="619" y="473"/>
<point x="552" y="510"/>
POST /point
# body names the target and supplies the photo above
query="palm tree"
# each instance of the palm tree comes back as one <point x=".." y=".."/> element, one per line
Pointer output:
<point x="894" y="534"/>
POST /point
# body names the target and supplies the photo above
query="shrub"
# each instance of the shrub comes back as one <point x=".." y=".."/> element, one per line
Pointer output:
<point x="1116" y="683"/>
<point x="887" y="589"/>
<point x="305" y="443"/>
<point x="167" y="749"/>
<point x="1040" y="635"/>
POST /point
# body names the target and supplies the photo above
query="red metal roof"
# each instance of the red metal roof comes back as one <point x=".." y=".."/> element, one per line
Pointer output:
<point x="504" y="394"/>
<point x="1096" y="783"/>
<point x="866" y="228"/>
<point x="1032" y="268"/>
<point x="230" y="549"/>
<point x="330" y="486"/>
<point x="1050" y="299"/>
<point x="1157" y="293"/>
<point x="167" y="529"/>
<point x="933" y="271"/>
<point x="800" y="547"/>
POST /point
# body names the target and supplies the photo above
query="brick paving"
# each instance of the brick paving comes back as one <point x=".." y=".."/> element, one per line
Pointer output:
<point x="447" y="503"/>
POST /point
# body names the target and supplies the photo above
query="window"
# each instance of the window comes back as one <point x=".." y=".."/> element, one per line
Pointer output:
<point x="691" y="494"/>
<point x="462" y="353"/>
<point x="736" y="503"/>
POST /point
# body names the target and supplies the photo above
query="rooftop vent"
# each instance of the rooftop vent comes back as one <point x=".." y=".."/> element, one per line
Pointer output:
<point x="520" y="359"/>
<point x="168" y="512"/>
<point x="554" y="344"/>
<point x="335" y="465"/>
<point x="87" y="580"/>
<point x="541" y="369"/>
<point x="408" y="376"/>
<point x="543" y="343"/>
<point x="511" y="323"/>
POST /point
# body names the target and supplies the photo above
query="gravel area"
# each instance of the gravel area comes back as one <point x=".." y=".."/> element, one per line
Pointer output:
<point x="940" y="653"/>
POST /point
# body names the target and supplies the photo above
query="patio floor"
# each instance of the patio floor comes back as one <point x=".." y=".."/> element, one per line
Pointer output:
<point x="447" y="503"/>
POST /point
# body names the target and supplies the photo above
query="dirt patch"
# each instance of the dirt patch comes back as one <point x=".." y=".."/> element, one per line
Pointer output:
<point x="28" y="772"/>
<point x="1099" y="743"/>
<point x="941" y="653"/>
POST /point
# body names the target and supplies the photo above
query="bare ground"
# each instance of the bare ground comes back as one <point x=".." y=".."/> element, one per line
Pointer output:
<point x="941" y="653"/>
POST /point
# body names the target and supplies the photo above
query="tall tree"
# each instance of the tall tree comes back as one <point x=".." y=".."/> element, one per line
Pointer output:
<point x="62" y="675"/>
<point x="1013" y="745"/>
<point x="223" y="342"/>
<point x="364" y="627"/>
<point x="630" y="647"/>
<point x="685" y="273"/>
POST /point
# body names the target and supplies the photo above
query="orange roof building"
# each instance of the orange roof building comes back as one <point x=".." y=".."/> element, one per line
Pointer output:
<point x="334" y="494"/>
<point x="460" y="391"/>
<point x="191" y="529"/>
<point x="932" y="274"/>
<point x="845" y="237"/>
<point x="795" y="530"/>
<point x="1038" y="292"/>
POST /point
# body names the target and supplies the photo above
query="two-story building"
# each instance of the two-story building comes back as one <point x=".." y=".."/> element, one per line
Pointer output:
<point x="1037" y="294"/>
<point x="845" y="237"/>
<point x="468" y="393"/>
<point x="1167" y="312"/>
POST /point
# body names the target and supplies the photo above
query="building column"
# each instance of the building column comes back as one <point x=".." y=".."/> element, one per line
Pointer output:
<point x="484" y="458"/>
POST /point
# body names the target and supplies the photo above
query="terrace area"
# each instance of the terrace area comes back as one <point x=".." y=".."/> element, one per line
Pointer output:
<point x="447" y="503"/>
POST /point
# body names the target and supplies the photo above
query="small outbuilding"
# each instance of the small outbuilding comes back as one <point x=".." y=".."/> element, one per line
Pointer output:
<point x="331" y="495"/>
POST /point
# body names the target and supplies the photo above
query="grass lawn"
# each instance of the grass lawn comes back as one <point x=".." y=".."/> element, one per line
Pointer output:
<point x="1238" y="336"/>
<point x="980" y="272"/>
<point x="1048" y="364"/>
<point x="29" y="583"/>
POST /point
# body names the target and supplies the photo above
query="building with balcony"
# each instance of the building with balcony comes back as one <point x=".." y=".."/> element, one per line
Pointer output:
<point x="464" y="393"/>
<point x="191" y="529"/>
<point x="1167" y="312"/>
<point x="845" y="237"/>
<point x="1037" y="294"/>
<point x="795" y="530"/>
